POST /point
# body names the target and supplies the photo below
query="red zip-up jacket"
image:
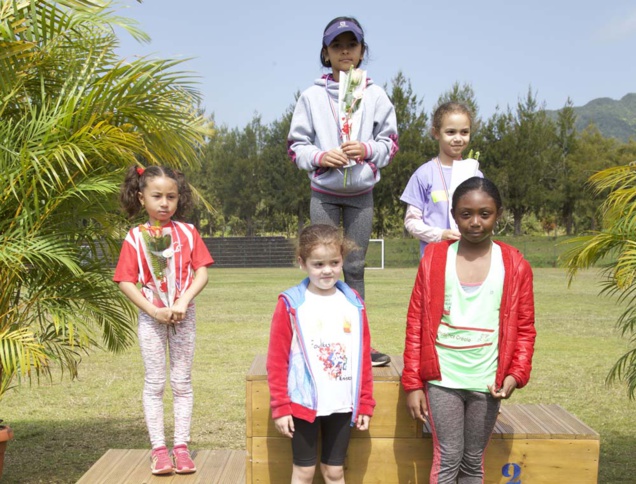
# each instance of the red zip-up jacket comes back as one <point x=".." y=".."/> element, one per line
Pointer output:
<point x="280" y="351"/>
<point x="516" y="319"/>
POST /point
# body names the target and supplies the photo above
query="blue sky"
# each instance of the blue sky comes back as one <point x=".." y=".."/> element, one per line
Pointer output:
<point x="253" y="56"/>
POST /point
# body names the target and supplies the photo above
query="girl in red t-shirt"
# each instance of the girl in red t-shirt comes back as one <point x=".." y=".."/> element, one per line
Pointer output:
<point x="168" y="260"/>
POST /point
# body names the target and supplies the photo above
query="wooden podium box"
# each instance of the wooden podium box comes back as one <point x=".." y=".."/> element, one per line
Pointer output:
<point x="530" y="444"/>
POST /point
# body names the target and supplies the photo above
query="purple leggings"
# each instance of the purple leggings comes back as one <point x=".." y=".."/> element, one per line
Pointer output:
<point x="462" y="422"/>
<point x="154" y="339"/>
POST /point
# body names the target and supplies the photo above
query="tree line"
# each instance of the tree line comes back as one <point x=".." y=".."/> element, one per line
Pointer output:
<point x="540" y="163"/>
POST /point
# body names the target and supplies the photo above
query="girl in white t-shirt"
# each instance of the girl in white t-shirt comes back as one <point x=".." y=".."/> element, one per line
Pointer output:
<point x="318" y="362"/>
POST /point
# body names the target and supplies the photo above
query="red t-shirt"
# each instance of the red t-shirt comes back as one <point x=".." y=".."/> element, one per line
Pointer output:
<point x="190" y="253"/>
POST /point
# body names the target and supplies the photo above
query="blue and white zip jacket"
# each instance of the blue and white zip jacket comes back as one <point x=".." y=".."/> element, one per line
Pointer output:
<point x="291" y="384"/>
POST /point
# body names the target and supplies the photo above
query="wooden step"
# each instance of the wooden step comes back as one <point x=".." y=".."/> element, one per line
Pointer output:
<point x="132" y="466"/>
<point x="531" y="443"/>
<point x="389" y="419"/>
<point x="541" y="444"/>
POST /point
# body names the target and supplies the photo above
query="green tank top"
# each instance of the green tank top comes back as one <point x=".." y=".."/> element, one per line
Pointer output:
<point x="468" y="335"/>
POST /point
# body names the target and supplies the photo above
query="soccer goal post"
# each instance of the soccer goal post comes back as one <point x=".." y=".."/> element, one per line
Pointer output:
<point x="375" y="254"/>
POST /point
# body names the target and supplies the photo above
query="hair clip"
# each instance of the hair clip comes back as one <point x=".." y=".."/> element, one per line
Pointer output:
<point x="140" y="171"/>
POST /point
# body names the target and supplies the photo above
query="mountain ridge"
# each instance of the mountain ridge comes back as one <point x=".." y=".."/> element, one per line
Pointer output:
<point x="614" y="118"/>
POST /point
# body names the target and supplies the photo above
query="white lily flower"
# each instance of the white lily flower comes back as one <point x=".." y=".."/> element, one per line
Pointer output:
<point x="168" y="253"/>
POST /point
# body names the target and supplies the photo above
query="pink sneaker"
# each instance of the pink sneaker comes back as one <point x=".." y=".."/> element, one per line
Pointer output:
<point x="161" y="462"/>
<point x="183" y="463"/>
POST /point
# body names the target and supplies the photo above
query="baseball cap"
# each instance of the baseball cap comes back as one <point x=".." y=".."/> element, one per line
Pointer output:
<point x="340" y="27"/>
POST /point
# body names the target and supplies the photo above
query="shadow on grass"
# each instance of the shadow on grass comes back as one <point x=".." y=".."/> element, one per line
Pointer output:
<point x="617" y="457"/>
<point x="62" y="451"/>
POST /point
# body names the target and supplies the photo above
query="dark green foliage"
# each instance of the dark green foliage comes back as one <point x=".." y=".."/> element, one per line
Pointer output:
<point x="285" y="187"/>
<point x="416" y="147"/>
<point x="540" y="162"/>
<point x="518" y="154"/>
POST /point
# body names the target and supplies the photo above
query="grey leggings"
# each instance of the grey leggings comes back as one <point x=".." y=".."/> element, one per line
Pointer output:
<point x="154" y="339"/>
<point x="462" y="422"/>
<point x="356" y="214"/>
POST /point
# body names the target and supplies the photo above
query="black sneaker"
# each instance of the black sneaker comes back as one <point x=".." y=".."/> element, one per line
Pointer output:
<point x="379" y="359"/>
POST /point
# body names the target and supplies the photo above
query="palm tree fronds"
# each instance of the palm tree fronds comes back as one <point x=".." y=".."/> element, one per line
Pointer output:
<point x="73" y="118"/>
<point x="615" y="247"/>
<point x="20" y="351"/>
<point x="625" y="370"/>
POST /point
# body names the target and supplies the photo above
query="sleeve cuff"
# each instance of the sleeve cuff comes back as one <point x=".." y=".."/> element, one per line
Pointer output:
<point x="318" y="158"/>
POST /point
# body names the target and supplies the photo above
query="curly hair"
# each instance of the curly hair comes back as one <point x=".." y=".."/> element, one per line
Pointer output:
<point x="322" y="234"/>
<point x="136" y="181"/>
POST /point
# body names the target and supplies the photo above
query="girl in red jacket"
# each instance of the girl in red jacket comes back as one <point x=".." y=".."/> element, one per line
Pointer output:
<point x="318" y="361"/>
<point x="469" y="336"/>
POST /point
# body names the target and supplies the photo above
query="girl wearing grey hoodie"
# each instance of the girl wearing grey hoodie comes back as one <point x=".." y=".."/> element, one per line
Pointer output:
<point x="342" y="195"/>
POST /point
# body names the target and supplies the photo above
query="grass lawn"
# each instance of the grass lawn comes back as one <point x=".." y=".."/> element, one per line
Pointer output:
<point x="63" y="427"/>
<point x="540" y="251"/>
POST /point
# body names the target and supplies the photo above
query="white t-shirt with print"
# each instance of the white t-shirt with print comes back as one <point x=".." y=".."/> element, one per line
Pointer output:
<point x="326" y="326"/>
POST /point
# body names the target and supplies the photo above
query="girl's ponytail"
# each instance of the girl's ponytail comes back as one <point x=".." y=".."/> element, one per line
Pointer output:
<point x="186" y="201"/>
<point x="129" y="191"/>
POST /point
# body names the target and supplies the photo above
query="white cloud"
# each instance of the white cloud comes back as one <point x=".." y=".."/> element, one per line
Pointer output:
<point x="619" y="28"/>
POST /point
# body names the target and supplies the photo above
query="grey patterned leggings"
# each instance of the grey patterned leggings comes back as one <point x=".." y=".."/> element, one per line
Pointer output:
<point x="356" y="214"/>
<point x="154" y="339"/>
<point x="462" y="422"/>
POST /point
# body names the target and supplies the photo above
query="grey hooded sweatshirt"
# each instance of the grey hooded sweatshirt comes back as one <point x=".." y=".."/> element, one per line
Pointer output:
<point x="315" y="130"/>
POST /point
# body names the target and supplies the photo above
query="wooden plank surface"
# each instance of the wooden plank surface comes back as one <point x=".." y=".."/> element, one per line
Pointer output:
<point x="132" y="466"/>
<point x="540" y="443"/>
<point x="390" y="416"/>
<point x="398" y="461"/>
<point x="391" y="419"/>
<point x="542" y="461"/>
<point x="536" y="421"/>
<point x="578" y="428"/>
<point x="504" y="427"/>
<point x="397" y="362"/>
<point x="249" y="405"/>
<point x="258" y="369"/>
<point x="384" y="461"/>
<point x="517" y="425"/>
